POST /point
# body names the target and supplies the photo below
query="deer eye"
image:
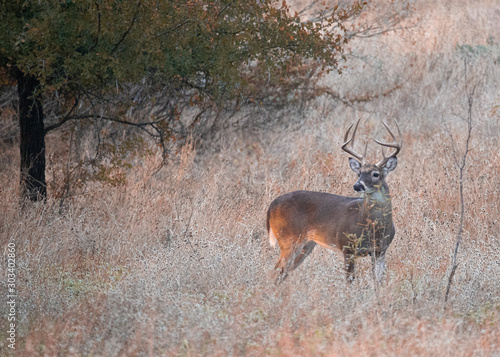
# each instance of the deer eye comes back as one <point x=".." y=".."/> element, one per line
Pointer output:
<point x="375" y="174"/>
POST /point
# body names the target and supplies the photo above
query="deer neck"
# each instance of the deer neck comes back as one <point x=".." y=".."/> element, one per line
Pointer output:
<point x="377" y="203"/>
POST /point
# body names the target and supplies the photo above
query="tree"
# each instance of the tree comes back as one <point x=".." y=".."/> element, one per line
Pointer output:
<point x="86" y="59"/>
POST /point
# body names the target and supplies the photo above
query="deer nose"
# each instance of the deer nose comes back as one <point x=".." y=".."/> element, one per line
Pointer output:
<point x="359" y="186"/>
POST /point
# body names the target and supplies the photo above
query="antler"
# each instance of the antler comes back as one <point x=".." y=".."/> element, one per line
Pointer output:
<point x="396" y="145"/>
<point x="351" y="141"/>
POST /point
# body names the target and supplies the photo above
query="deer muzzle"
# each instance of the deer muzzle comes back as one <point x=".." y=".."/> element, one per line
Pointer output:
<point x="359" y="186"/>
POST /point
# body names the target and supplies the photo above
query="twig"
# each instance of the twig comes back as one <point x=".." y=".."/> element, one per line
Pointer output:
<point x="65" y="119"/>
<point x="128" y="29"/>
<point x="461" y="163"/>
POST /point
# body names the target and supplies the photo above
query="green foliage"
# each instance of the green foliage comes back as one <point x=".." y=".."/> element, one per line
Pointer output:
<point x="474" y="52"/>
<point x="143" y="62"/>
<point x="94" y="46"/>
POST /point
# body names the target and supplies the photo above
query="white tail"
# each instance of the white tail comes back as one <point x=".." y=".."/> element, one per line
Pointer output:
<point x="299" y="220"/>
<point x="272" y="238"/>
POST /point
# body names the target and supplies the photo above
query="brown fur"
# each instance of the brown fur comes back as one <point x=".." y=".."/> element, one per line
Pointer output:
<point x="356" y="226"/>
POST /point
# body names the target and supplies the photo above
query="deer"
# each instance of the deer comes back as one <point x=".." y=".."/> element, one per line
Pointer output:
<point x="357" y="226"/>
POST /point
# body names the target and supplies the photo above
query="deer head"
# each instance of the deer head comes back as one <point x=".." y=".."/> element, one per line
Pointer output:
<point x="372" y="176"/>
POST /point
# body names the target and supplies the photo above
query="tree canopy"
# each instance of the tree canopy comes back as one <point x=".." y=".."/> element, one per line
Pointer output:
<point x="79" y="53"/>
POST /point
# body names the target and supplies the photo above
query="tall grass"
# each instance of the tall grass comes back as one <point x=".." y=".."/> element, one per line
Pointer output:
<point x="177" y="261"/>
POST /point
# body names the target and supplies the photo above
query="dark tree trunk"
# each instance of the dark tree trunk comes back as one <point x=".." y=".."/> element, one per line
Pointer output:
<point x="32" y="145"/>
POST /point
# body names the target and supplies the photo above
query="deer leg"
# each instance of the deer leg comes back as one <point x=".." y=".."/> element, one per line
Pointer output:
<point x="286" y="262"/>
<point x="280" y="276"/>
<point x="308" y="248"/>
<point x="379" y="267"/>
<point x="281" y="273"/>
<point x="349" y="267"/>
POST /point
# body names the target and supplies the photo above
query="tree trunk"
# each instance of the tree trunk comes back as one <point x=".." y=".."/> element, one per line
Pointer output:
<point x="32" y="145"/>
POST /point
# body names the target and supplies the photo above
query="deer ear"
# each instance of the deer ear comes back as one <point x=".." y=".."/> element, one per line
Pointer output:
<point x="391" y="164"/>
<point x="354" y="164"/>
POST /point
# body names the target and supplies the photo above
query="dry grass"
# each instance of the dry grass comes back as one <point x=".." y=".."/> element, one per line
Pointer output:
<point x="178" y="263"/>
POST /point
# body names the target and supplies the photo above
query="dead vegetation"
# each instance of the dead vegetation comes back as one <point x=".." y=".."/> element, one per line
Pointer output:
<point x="177" y="261"/>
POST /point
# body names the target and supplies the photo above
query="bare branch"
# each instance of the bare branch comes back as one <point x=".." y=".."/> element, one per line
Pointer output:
<point x="64" y="120"/>
<point x="461" y="164"/>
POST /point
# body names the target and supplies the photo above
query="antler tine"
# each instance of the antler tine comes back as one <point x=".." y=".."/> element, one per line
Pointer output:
<point x="396" y="145"/>
<point x="351" y="141"/>
<point x="347" y="134"/>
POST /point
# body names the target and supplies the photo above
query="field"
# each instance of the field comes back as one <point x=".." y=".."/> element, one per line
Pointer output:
<point x="177" y="261"/>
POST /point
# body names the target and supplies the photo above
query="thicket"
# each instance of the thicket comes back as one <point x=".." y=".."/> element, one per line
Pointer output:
<point x="168" y="69"/>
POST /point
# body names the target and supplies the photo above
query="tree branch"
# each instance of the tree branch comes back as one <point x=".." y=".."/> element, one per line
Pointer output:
<point x="128" y="30"/>
<point x="224" y="8"/>
<point x="64" y="120"/>
<point x="96" y="41"/>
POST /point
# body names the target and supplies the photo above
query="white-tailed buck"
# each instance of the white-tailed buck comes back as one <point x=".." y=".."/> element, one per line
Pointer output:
<point x="357" y="226"/>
